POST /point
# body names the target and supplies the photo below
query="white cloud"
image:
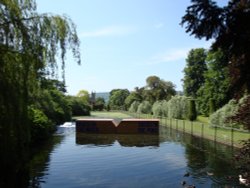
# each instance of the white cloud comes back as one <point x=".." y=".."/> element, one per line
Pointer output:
<point x="169" y="56"/>
<point x="176" y="54"/>
<point x="159" y="25"/>
<point x="109" y="31"/>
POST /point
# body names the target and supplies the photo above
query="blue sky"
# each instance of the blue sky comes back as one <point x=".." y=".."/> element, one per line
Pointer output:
<point x="125" y="41"/>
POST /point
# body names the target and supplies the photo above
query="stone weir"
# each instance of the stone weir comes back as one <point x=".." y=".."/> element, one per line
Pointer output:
<point x="115" y="126"/>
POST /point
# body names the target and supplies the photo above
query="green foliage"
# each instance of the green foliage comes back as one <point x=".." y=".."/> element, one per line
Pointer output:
<point x="165" y="108"/>
<point x="144" y="107"/>
<point x="194" y="71"/>
<point x="78" y="106"/>
<point x="54" y="104"/>
<point x="242" y="115"/>
<point x="108" y="107"/>
<point x="133" y="96"/>
<point x="117" y="99"/>
<point x="178" y="107"/>
<point x="99" y="104"/>
<point x="29" y="46"/>
<point x="230" y="27"/>
<point x="192" y="114"/>
<point x="158" y="89"/>
<point x="41" y="127"/>
<point x="134" y="106"/>
<point x="220" y="116"/>
<point x="84" y="96"/>
<point x="233" y="114"/>
<point x="211" y="106"/>
<point x="157" y="108"/>
<point x="216" y="86"/>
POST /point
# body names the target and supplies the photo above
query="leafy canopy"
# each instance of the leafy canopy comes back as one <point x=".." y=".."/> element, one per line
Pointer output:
<point x="230" y="27"/>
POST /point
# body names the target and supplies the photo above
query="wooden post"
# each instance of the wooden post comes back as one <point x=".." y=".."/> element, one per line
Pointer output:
<point x="202" y="130"/>
<point x="191" y="127"/>
<point x="215" y="133"/>
<point x="232" y="136"/>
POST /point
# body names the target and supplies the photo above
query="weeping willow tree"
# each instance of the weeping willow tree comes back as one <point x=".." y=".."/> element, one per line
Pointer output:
<point x="29" y="46"/>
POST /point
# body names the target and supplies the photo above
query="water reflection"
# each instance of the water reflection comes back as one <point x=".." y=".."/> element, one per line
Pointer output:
<point x="135" y="140"/>
<point x="128" y="161"/>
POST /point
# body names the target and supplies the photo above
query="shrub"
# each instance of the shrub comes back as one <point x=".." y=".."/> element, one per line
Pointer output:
<point x="176" y="107"/>
<point x="134" y="106"/>
<point x="157" y="108"/>
<point x="219" y="117"/>
<point x="242" y="115"/>
<point x="211" y="106"/>
<point x="144" y="108"/>
<point x="165" y="108"/>
<point x="40" y="126"/>
<point x="192" y="114"/>
<point x="79" y="108"/>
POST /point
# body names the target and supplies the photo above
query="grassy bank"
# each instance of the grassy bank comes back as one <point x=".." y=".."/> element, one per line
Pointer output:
<point x="202" y="129"/>
<point x="97" y="114"/>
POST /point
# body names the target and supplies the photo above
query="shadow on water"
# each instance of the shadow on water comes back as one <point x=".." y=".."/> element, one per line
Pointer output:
<point x="133" y="140"/>
<point x="40" y="161"/>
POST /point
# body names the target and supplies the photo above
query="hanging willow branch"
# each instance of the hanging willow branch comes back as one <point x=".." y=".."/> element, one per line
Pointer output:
<point x="42" y="36"/>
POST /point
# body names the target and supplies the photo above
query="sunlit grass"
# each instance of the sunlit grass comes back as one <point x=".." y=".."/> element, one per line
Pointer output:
<point x="202" y="129"/>
<point x="112" y="115"/>
<point x="202" y="119"/>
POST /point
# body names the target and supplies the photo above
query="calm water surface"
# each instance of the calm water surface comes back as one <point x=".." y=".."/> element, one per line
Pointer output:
<point x="86" y="160"/>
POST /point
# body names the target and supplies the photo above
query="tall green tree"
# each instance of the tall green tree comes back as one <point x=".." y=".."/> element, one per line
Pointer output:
<point x="158" y="89"/>
<point x="28" y="47"/>
<point x="194" y="71"/>
<point x="229" y="26"/>
<point x="133" y="96"/>
<point x="84" y="96"/>
<point x="216" y="86"/>
<point x="117" y="99"/>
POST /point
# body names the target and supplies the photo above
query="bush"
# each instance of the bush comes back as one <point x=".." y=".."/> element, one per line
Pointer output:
<point x="79" y="108"/>
<point x="157" y="108"/>
<point x="144" y="108"/>
<point x="40" y="126"/>
<point x="192" y="114"/>
<point x="134" y="106"/>
<point x="220" y="116"/>
<point x="211" y="106"/>
<point x="176" y="107"/>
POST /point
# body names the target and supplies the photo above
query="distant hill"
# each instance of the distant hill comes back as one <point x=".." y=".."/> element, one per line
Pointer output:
<point x="104" y="95"/>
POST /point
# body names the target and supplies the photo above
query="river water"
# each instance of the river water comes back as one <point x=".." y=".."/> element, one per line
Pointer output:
<point x="75" y="160"/>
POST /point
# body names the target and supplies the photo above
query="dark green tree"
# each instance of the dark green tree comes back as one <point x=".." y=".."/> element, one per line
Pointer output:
<point x="117" y="99"/>
<point x="29" y="44"/>
<point x="230" y="27"/>
<point x="194" y="72"/>
<point x="192" y="114"/>
<point x="133" y="96"/>
<point x="158" y="89"/>
<point x="78" y="106"/>
<point x="216" y="85"/>
<point x="99" y="104"/>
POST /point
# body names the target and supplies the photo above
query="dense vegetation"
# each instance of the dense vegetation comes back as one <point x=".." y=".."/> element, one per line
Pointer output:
<point x="30" y="103"/>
